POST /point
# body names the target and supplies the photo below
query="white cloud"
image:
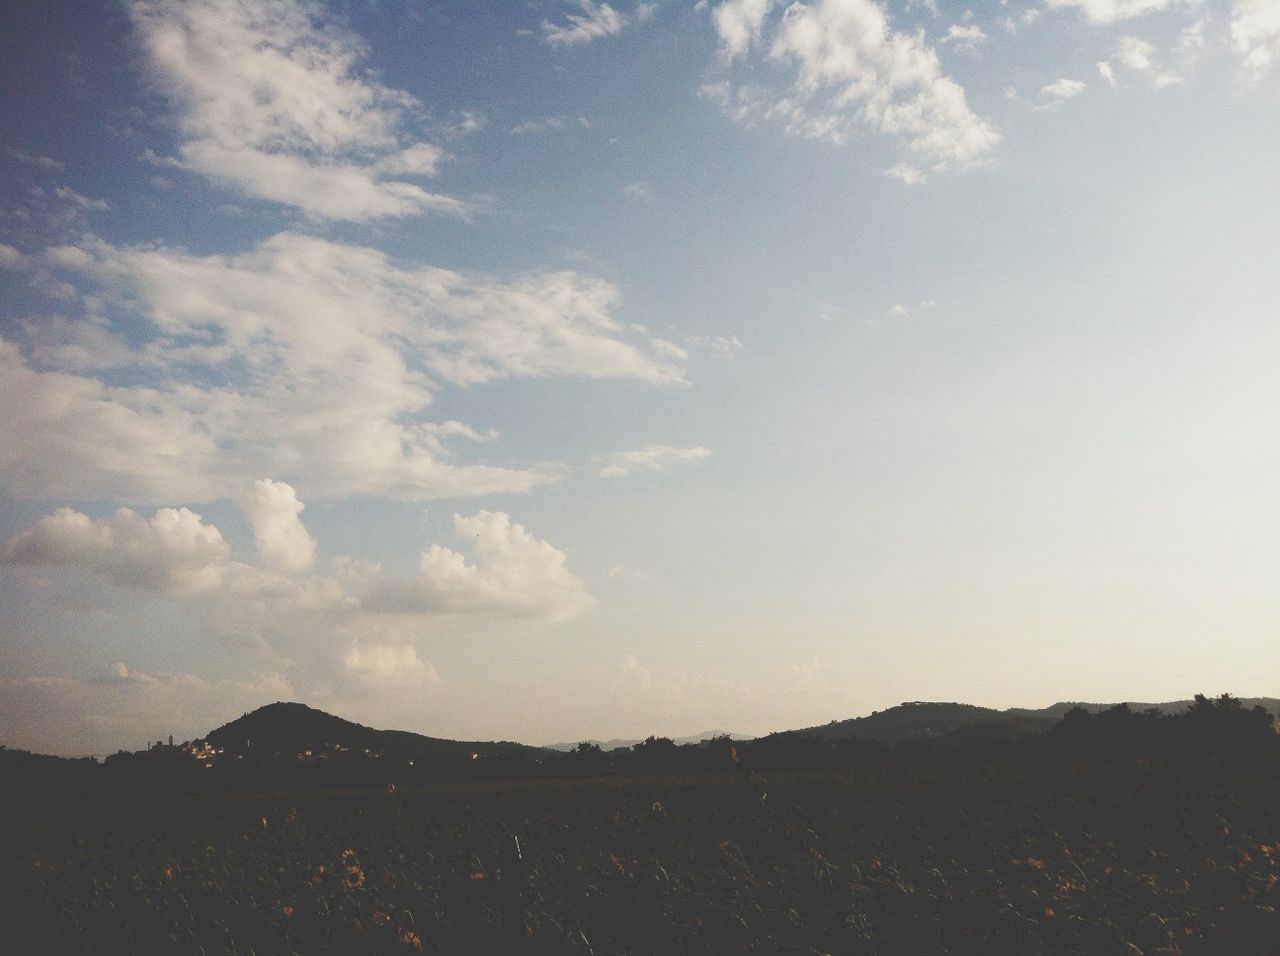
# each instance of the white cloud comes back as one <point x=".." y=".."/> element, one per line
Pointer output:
<point x="650" y="458"/>
<point x="1135" y="53"/>
<point x="596" y="20"/>
<point x="68" y="194"/>
<point x="301" y="358"/>
<point x="725" y="346"/>
<point x="739" y="24"/>
<point x="1062" y="90"/>
<point x="514" y="575"/>
<point x="1255" y="32"/>
<point x="539" y="126"/>
<point x="965" y="37"/>
<point x="390" y="665"/>
<point x="272" y="508"/>
<point x="1138" y="55"/>
<point x="1111" y="11"/>
<point x="1107" y="73"/>
<point x="898" y="311"/>
<point x="44" y="162"/>
<point x="271" y="99"/>
<point x="175" y="551"/>
<point x="907" y="174"/>
<point x="847" y="67"/>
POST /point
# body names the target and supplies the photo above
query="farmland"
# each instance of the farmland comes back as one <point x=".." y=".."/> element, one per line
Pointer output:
<point x="1179" y="856"/>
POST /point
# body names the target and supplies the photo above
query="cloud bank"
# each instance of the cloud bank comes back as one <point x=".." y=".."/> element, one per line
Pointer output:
<point x="300" y="357"/>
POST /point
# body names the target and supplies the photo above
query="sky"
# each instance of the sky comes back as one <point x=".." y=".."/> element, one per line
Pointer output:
<point x="568" y="370"/>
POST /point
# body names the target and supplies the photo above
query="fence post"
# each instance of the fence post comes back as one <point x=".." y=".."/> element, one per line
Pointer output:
<point x="512" y="883"/>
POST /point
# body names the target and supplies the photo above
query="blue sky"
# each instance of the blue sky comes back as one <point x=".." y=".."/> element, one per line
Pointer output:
<point x="574" y="370"/>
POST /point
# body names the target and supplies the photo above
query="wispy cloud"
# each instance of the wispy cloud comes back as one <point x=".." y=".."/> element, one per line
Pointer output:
<point x="35" y="159"/>
<point x="639" y="191"/>
<point x="302" y="357"/>
<point x="650" y="458"/>
<point x="595" y="22"/>
<point x="270" y="100"/>
<point x="848" y="68"/>
<point x="1111" y="11"/>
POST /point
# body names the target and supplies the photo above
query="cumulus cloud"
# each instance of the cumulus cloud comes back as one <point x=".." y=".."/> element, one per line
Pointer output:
<point x="175" y="551"/>
<point x="1255" y="33"/>
<point x="1061" y="90"/>
<point x="1111" y="11"/>
<point x="1106" y="71"/>
<point x="650" y="458"/>
<point x="843" y="66"/>
<point x="272" y="508"/>
<point x="514" y="575"/>
<point x="739" y="23"/>
<point x="302" y="358"/>
<point x="389" y="665"/>
<point x="271" y="99"/>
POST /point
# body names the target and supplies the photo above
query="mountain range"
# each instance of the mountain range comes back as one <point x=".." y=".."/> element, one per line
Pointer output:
<point x="967" y="724"/>
<point x="292" y="728"/>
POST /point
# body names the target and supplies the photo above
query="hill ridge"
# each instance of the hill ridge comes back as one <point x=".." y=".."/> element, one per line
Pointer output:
<point x="290" y="727"/>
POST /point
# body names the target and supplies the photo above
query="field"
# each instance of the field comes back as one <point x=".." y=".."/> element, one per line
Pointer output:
<point x="1179" y="857"/>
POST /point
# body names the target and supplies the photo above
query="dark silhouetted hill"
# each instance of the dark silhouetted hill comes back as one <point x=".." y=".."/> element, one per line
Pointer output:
<point x="963" y="725"/>
<point x="290" y="729"/>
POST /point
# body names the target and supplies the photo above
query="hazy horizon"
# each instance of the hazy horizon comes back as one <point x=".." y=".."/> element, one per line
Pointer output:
<point x="584" y="369"/>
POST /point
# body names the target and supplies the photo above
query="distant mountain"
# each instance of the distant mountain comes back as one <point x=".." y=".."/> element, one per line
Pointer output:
<point x="962" y="724"/>
<point x="619" y="743"/>
<point x="288" y="728"/>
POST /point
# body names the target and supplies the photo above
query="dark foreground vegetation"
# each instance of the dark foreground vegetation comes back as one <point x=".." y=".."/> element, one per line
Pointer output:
<point x="1113" y="831"/>
<point x="1169" y="855"/>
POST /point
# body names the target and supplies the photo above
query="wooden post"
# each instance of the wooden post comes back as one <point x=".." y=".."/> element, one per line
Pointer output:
<point x="512" y="883"/>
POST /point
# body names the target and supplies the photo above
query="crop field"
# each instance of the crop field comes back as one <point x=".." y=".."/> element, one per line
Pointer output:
<point x="1179" y="857"/>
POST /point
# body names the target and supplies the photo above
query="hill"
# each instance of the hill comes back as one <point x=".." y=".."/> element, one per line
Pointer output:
<point x="288" y="728"/>
<point x="966" y="724"/>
